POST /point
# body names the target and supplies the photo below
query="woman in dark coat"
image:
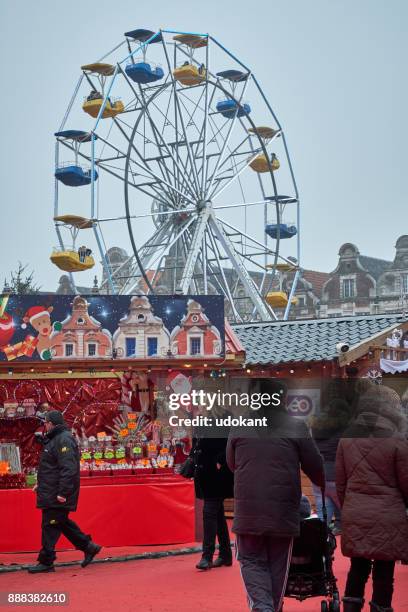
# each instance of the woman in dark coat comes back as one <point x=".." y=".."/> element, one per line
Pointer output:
<point x="372" y="485"/>
<point x="213" y="483"/>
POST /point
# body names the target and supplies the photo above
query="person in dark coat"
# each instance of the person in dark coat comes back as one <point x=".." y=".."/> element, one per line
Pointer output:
<point x="327" y="429"/>
<point x="267" y="489"/>
<point x="57" y="494"/>
<point x="213" y="482"/>
<point x="372" y="485"/>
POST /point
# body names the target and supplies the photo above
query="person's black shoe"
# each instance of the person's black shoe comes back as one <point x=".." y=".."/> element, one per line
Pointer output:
<point x="219" y="562"/>
<point x="90" y="553"/>
<point x="40" y="569"/>
<point x="376" y="608"/>
<point x="352" y="604"/>
<point x="204" y="564"/>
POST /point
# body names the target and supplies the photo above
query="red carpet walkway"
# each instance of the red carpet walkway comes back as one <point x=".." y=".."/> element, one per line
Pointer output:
<point x="162" y="585"/>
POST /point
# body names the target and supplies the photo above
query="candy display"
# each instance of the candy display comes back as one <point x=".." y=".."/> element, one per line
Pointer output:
<point x="110" y="455"/>
<point x="15" y="409"/>
<point x="11" y="409"/>
<point x="12" y="481"/>
<point x="113" y="439"/>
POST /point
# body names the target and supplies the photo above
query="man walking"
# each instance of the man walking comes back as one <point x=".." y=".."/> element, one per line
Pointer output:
<point x="267" y="492"/>
<point x="57" y="494"/>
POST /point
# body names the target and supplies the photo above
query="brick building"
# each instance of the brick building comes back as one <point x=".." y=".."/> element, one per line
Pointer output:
<point x="359" y="285"/>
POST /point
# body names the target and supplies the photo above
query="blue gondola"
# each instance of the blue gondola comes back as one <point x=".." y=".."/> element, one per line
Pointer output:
<point x="142" y="72"/>
<point x="282" y="199"/>
<point x="286" y="231"/>
<point x="74" y="176"/>
<point x="142" y="35"/>
<point x="76" y="135"/>
<point x="235" y="76"/>
<point x="228" y="108"/>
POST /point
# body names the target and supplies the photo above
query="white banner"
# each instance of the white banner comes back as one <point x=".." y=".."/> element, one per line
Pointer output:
<point x="392" y="367"/>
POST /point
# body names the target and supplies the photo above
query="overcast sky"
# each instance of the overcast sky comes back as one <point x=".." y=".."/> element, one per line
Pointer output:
<point x="334" y="71"/>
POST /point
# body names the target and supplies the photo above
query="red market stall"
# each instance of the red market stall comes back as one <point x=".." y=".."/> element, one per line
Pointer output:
<point x="112" y="384"/>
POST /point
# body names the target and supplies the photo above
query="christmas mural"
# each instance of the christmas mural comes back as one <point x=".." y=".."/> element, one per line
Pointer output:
<point x="55" y="327"/>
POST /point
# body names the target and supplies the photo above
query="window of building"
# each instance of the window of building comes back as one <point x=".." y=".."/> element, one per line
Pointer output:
<point x="81" y="321"/>
<point x="91" y="349"/>
<point x="130" y="347"/>
<point x="69" y="350"/>
<point x="301" y="302"/>
<point x="151" y="346"/>
<point x="348" y="288"/>
<point x="404" y="283"/>
<point x="195" y="346"/>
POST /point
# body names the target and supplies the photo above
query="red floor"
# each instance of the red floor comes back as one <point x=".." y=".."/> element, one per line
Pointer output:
<point x="163" y="585"/>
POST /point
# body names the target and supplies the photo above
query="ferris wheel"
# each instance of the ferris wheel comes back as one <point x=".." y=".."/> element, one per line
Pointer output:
<point x="181" y="162"/>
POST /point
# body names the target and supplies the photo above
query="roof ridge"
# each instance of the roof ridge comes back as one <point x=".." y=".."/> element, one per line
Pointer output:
<point x="376" y="258"/>
<point x="322" y="320"/>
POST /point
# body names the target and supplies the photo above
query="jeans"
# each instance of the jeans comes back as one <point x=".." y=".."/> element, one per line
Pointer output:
<point x="215" y="526"/>
<point x="54" y="523"/>
<point x="332" y="503"/>
<point x="383" y="580"/>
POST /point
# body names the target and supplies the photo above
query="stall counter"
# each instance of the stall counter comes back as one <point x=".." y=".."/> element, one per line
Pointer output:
<point x="145" y="510"/>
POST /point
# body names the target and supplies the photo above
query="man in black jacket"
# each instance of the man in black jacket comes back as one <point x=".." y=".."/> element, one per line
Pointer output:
<point x="57" y="494"/>
<point x="267" y="493"/>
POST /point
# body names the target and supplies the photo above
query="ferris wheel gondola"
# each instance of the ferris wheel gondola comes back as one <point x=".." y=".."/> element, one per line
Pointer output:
<point x="202" y="177"/>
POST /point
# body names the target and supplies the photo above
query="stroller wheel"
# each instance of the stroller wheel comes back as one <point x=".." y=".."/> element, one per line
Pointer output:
<point x="324" y="607"/>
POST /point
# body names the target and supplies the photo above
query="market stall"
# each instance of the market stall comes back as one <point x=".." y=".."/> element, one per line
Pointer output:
<point x="112" y="382"/>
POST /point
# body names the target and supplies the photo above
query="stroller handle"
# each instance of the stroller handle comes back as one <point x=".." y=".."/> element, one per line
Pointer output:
<point x="324" y="509"/>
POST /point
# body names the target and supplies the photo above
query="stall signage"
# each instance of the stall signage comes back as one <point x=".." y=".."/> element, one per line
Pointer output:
<point x="74" y="327"/>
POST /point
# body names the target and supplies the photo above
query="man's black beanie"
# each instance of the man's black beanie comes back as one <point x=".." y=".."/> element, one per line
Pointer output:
<point x="55" y="417"/>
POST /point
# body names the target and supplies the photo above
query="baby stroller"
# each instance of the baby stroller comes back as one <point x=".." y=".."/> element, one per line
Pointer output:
<point x="311" y="567"/>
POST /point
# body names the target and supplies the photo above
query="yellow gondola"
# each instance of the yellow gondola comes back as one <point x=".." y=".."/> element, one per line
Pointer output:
<point x="69" y="261"/>
<point x="99" y="68"/>
<point x="191" y="40"/>
<point x="263" y="132"/>
<point x="282" y="267"/>
<point x="279" y="299"/>
<point x="188" y="74"/>
<point x="92" y="107"/>
<point x="260" y="163"/>
<point x="75" y="221"/>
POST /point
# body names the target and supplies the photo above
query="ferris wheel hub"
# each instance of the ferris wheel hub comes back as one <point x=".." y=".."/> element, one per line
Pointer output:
<point x="202" y="204"/>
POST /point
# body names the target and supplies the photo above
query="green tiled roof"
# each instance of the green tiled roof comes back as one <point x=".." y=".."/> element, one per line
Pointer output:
<point x="308" y="340"/>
